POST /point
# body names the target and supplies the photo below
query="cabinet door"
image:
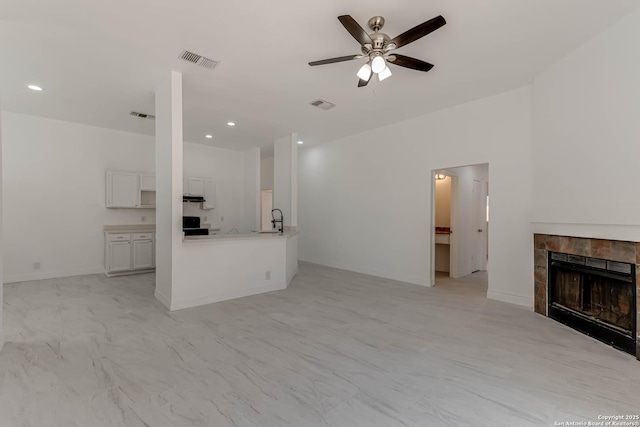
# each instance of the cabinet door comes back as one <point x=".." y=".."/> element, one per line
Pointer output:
<point x="209" y="194"/>
<point x="142" y="254"/>
<point x="196" y="187"/>
<point x="123" y="189"/>
<point x="147" y="182"/>
<point x="119" y="256"/>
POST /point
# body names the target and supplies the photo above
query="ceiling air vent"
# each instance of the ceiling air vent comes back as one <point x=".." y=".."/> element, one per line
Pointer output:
<point x="323" y="105"/>
<point x="200" y="60"/>
<point x="143" y="115"/>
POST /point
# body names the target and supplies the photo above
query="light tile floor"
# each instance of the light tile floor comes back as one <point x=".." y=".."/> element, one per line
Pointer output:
<point x="335" y="349"/>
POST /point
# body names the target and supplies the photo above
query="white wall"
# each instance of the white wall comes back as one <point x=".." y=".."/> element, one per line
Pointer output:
<point x="266" y="173"/>
<point x="54" y="184"/>
<point x="251" y="190"/>
<point x="365" y="200"/>
<point x="226" y="167"/>
<point x="285" y="178"/>
<point x="586" y="138"/>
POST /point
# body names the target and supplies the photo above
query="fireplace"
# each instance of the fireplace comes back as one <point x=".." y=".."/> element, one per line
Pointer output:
<point x="592" y="285"/>
<point x="594" y="296"/>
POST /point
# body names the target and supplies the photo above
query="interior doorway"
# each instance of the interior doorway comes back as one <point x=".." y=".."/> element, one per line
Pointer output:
<point x="266" y="204"/>
<point x="459" y="219"/>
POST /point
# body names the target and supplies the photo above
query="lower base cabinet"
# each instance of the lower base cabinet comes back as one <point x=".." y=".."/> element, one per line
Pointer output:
<point x="119" y="256"/>
<point x="129" y="253"/>
<point x="142" y="254"/>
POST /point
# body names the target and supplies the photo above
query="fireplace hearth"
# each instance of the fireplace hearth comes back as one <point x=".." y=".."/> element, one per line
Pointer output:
<point x="591" y="285"/>
<point x="594" y="296"/>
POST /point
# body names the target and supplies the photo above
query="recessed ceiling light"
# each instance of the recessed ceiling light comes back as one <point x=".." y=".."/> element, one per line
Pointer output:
<point x="300" y="142"/>
<point x="230" y="124"/>
<point x="35" y="87"/>
<point x="208" y="136"/>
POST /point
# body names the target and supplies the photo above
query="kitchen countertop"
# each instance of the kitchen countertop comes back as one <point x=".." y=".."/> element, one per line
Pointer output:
<point x="132" y="228"/>
<point x="245" y="236"/>
<point x="205" y="225"/>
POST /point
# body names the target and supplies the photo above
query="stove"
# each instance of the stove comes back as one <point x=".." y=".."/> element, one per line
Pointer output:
<point x="191" y="226"/>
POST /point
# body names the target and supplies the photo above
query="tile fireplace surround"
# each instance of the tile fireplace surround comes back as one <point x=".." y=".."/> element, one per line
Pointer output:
<point x="613" y="250"/>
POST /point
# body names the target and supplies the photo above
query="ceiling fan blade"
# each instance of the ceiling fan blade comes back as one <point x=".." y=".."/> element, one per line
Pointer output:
<point x="418" y="31"/>
<point x="362" y="83"/>
<point x="355" y="29"/>
<point x="408" y="62"/>
<point x="334" y="60"/>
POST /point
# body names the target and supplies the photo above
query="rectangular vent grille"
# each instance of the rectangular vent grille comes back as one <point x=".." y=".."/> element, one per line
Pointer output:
<point x="143" y="115"/>
<point x="199" y="60"/>
<point x="323" y="105"/>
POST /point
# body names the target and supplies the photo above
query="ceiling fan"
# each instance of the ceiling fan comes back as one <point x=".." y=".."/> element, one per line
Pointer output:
<point x="378" y="47"/>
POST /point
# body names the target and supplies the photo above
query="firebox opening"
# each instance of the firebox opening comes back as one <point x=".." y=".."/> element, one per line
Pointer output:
<point x="594" y="296"/>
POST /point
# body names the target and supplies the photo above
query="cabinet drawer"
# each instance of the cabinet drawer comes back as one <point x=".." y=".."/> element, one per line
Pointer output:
<point x="142" y="236"/>
<point x="443" y="239"/>
<point x="118" y="237"/>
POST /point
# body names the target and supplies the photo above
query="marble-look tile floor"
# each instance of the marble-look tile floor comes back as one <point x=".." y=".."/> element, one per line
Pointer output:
<point x="335" y="349"/>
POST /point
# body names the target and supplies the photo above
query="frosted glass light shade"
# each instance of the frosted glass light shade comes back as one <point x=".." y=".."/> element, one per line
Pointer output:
<point x="378" y="64"/>
<point x="364" y="73"/>
<point x="384" y="74"/>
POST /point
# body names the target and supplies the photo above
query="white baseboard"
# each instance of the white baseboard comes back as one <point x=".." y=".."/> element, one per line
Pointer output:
<point x="290" y="278"/>
<point x="511" y="298"/>
<point x="414" y="280"/>
<point x="163" y="299"/>
<point x="51" y="275"/>
<point x="195" y="302"/>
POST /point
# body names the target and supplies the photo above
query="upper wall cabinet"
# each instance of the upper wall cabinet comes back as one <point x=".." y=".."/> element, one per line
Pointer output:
<point x="147" y="182"/>
<point x="195" y="187"/>
<point x="123" y="189"/>
<point x="130" y="190"/>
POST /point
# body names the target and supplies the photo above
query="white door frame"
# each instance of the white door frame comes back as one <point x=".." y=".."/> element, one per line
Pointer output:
<point x="453" y="238"/>
<point x="455" y="226"/>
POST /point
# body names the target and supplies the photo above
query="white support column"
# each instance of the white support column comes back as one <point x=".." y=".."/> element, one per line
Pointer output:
<point x="169" y="152"/>
<point x="285" y="178"/>
<point x="1" y="245"/>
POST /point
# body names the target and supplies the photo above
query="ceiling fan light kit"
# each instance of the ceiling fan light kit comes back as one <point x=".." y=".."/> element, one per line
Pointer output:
<point x="377" y="47"/>
<point x="384" y="74"/>
<point x="364" y="73"/>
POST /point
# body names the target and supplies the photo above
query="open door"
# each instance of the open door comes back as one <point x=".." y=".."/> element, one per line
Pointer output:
<point x="477" y="226"/>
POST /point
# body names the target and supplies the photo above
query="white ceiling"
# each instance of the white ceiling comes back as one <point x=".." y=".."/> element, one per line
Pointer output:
<point x="100" y="60"/>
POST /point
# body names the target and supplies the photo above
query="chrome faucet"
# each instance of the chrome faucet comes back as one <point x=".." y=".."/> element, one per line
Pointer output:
<point x="274" y="220"/>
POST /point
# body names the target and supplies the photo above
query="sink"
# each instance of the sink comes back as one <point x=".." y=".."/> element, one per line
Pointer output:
<point x="268" y="232"/>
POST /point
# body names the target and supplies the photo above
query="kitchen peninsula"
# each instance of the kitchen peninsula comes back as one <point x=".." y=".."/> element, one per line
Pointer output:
<point x="227" y="266"/>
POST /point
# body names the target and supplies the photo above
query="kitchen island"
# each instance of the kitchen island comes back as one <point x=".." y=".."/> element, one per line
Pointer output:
<point x="222" y="267"/>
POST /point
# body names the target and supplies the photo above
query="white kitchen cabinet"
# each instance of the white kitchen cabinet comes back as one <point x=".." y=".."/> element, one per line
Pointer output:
<point x="195" y="186"/>
<point x="142" y="254"/>
<point x="119" y="256"/>
<point x="147" y="182"/>
<point x="123" y="189"/>
<point x="129" y="253"/>
<point x="209" y="194"/>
